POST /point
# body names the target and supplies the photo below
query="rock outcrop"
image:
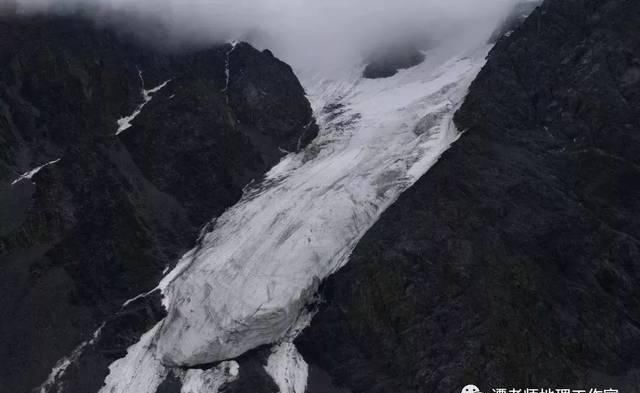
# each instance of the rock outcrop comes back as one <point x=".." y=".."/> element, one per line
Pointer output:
<point x="389" y="62"/>
<point x="96" y="217"/>
<point x="515" y="261"/>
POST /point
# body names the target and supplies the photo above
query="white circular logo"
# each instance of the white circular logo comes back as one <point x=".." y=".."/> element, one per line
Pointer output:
<point x="470" y="389"/>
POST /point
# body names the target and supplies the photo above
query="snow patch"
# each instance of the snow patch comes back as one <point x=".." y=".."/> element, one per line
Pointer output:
<point x="63" y="364"/>
<point x="287" y="368"/>
<point x="140" y="296"/>
<point x="29" y="174"/>
<point x="210" y="381"/>
<point x="140" y="371"/>
<point x="125" y="122"/>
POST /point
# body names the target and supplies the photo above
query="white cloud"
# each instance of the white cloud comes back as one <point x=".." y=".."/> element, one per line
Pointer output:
<point x="303" y="32"/>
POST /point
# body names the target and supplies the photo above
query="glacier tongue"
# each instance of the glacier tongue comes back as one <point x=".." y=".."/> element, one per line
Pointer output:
<point x="250" y="277"/>
<point x="247" y="282"/>
<point x="200" y="381"/>
<point x="140" y="371"/>
<point x="287" y="368"/>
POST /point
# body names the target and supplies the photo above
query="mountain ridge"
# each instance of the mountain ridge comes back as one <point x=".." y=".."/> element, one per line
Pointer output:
<point x="100" y="225"/>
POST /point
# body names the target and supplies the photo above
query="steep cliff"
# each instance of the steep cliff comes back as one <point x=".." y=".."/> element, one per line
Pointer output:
<point x="514" y="262"/>
<point x="113" y="155"/>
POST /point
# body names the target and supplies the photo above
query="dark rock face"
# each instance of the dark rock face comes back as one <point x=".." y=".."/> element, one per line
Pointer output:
<point x="389" y="62"/>
<point x="98" y="227"/>
<point x="516" y="16"/>
<point x="252" y="378"/>
<point x="265" y="115"/>
<point x="253" y="375"/>
<point x="515" y="262"/>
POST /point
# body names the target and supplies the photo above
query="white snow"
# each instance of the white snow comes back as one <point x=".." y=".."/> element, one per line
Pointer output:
<point x="63" y="364"/>
<point x="247" y="282"/>
<point x="227" y="69"/>
<point x="287" y="368"/>
<point x="142" y="295"/>
<point x="29" y="174"/>
<point x="285" y="365"/>
<point x="210" y="381"/>
<point x="245" y="285"/>
<point x="140" y="371"/>
<point x="125" y="122"/>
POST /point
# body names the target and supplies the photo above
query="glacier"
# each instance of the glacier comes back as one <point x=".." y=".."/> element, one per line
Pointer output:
<point x="199" y="381"/>
<point x="249" y="280"/>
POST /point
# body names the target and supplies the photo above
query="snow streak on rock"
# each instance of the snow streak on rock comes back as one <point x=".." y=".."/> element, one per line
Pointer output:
<point x="248" y="281"/>
<point x="125" y="122"/>
<point x="140" y="296"/>
<point x="227" y="68"/>
<point x="28" y="175"/>
<point x="61" y="367"/>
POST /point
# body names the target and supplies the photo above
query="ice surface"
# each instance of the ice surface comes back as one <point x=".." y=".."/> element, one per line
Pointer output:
<point x="140" y="371"/>
<point x="29" y="174"/>
<point x="249" y="279"/>
<point x="210" y="381"/>
<point x="287" y="368"/>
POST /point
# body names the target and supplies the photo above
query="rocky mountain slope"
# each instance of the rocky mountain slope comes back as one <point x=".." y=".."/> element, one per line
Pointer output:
<point x="514" y="262"/>
<point x="113" y="156"/>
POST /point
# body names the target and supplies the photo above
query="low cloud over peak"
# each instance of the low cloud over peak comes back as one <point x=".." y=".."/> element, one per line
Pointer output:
<point x="307" y="33"/>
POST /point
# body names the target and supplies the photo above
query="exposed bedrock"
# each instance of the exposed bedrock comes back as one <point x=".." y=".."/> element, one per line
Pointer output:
<point x="389" y="61"/>
<point x="100" y="222"/>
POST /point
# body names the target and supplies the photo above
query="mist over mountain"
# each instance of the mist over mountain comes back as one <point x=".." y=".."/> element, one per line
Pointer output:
<point x="317" y="34"/>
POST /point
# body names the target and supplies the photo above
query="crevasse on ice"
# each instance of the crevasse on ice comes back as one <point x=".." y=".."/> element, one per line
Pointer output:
<point x="248" y="281"/>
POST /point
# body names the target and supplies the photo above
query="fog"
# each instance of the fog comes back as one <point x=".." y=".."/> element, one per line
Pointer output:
<point x="306" y="33"/>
